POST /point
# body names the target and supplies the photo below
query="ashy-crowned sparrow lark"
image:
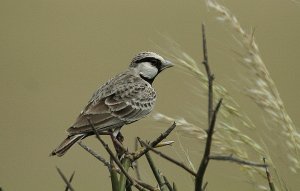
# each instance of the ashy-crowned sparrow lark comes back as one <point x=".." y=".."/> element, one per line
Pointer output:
<point x="122" y="100"/>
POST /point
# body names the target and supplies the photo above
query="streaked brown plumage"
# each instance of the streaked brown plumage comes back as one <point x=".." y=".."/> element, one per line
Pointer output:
<point x="122" y="100"/>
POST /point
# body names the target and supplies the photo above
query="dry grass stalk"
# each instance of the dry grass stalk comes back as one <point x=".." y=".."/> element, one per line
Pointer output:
<point x="230" y="136"/>
<point x="262" y="90"/>
<point x="228" y="139"/>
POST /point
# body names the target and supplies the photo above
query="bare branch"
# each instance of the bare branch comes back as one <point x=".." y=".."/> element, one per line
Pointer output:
<point x="116" y="160"/>
<point x="155" y="142"/>
<point x="212" y="116"/>
<point x="205" y="158"/>
<point x="160" y="180"/>
<point x="210" y="76"/>
<point x="146" y="186"/>
<point x="136" y="164"/>
<point x="180" y="164"/>
<point x="65" y="179"/>
<point x="101" y="159"/>
<point x="271" y="184"/>
<point x="231" y="158"/>
<point x="168" y="183"/>
<point x="70" y="180"/>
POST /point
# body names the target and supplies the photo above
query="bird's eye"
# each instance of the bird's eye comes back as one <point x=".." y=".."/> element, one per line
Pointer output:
<point x="155" y="62"/>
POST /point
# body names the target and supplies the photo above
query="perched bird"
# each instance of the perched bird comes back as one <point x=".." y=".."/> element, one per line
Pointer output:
<point x="122" y="100"/>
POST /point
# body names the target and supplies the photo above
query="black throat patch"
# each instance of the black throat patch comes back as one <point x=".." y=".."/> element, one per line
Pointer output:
<point x="150" y="81"/>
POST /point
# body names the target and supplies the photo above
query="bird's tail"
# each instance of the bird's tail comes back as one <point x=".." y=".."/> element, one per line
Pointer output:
<point x="67" y="144"/>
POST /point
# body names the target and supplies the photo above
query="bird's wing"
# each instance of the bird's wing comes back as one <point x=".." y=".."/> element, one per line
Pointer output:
<point x="122" y="100"/>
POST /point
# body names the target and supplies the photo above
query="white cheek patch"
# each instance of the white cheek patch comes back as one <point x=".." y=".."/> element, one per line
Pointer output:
<point x="147" y="70"/>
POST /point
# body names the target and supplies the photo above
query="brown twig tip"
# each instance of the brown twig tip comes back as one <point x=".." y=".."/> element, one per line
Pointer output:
<point x="218" y="105"/>
<point x="204" y="45"/>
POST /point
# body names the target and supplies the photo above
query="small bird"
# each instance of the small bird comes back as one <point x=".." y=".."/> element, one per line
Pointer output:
<point x="122" y="100"/>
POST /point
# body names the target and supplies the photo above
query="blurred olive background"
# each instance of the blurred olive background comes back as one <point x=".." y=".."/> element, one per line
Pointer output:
<point x="55" y="53"/>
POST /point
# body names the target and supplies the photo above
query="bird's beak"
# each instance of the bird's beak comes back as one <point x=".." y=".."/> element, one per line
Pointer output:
<point x="166" y="64"/>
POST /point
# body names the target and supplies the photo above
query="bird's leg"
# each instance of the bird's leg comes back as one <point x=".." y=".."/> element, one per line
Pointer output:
<point x="120" y="138"/>
<point x="117" y="140"/>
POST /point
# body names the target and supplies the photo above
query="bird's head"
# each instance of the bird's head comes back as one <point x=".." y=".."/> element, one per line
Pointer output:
<point x="149" y="65"/>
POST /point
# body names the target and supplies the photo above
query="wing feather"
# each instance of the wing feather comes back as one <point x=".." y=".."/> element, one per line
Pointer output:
<point x="122" y="100"/>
